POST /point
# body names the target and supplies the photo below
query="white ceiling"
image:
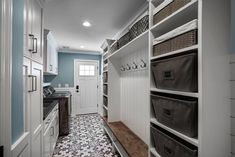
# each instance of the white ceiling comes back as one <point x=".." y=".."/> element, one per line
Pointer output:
<point x="107" y="17"/>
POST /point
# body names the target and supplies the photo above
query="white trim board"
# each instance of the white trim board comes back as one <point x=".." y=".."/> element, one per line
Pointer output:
<point x="20" y="144"/>
<point x="5" y="84"/>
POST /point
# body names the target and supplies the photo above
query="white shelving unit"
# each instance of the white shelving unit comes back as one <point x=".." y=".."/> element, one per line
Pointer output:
<point x="130" y="47"/>
<point x="213" y="69"/>
<point x="128" y="94"/>
<point x="174" y="92"/>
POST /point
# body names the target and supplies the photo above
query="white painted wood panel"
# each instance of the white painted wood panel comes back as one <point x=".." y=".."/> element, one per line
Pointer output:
<point x="232" y="99"/>
<point x="135" y="94"/>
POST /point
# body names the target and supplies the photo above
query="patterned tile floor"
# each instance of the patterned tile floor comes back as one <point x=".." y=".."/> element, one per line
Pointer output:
<point x="86" y="139"/>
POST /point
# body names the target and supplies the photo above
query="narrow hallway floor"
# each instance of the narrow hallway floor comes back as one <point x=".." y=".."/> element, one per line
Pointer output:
<point x="86" y="139"/>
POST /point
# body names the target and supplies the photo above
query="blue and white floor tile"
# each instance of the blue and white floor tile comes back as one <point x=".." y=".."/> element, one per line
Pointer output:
<point x="86" y="139"/>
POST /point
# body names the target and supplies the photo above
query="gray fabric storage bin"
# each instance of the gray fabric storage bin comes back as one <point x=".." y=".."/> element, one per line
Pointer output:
<point x="105" y="77"/>
<point x="178" y="114"/>
<point x="178" y="73"/>
<point x="105" y="101"/>
<point x="168" y="145"/>
<point x="105" y="88"/>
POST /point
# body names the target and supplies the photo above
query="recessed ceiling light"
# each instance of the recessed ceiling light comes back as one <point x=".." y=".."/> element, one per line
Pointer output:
<point x="86" y="24"/>
<point x="82" y="47"/>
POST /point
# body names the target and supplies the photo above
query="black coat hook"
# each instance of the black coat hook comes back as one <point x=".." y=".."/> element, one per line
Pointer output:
<point x="144" y="65"/>
<point x="123" y="68"/>
<point x="128" y="67"/>
<point x="135" y="66"/>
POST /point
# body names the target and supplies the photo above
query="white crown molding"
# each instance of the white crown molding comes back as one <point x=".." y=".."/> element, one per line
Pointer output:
<point x="79" y="51"/>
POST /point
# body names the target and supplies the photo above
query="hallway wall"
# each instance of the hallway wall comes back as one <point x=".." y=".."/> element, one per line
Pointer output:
<point x="66" y="68"/>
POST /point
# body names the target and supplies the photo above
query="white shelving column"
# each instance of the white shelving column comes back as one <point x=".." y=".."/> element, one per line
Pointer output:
<point x="214" y="87"/>
<point x="213" y="68"/>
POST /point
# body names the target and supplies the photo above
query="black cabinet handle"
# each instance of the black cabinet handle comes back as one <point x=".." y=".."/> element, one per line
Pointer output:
<point x="32" y="43"/>
<point x="32" y="83"/>
<point x="35" y="41"/>
<point x="35" y="82"/>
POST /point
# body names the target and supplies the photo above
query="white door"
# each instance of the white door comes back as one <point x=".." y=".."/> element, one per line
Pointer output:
<point x="86" y="86"/>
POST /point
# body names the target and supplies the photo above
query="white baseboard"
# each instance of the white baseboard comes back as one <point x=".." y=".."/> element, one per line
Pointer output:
<point x="20" y="145"/>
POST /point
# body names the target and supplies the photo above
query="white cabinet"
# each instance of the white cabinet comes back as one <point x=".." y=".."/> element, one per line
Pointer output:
<point x="50" y="54"/>
<point x="51" y="132"/>
<point x="33" y="75"/>
<point x="36" y="103"/>
<point x="33" y="30"/>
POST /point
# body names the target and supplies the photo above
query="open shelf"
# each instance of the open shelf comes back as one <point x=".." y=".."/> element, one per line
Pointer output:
<point x="105" y="53"/>
<point x="184" y="50"/>
<point x="183" y="15"/>
<point x="106" y="83"/>
<point x="105" y="65"/>
<point x="105" y="95"/>
<point x="135" y="44"/>
<point x="174" y="92"/>
<point x="154" y="152"/>
<point x="186" y="138"/>
<point x="105" y="107"/>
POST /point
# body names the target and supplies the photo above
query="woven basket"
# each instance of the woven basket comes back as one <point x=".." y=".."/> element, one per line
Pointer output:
<point x="114" y="48"/>
<point x="177" y="4"/>
<point x="124" y="40"/>
<point x="139" y="27"/>
<point x="105" y="61"/>
<point x="105" y="77"/>
<point x="182" y="41"/>
<point x="106" y="49"/>
<point x="105" y="101"/>
<point x="169" y="9"/>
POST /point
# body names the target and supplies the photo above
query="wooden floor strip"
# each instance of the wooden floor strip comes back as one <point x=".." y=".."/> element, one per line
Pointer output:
<point x="134" y="146"/>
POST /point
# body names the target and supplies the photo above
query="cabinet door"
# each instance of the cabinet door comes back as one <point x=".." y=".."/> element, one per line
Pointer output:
<point x="36" y="109"/>
<point x="54" y="131"/>
<point x="47" y="145"/>
<point x="55" y="61"/>
<point x="27" y="28"/>
<point x="49" y="56"/>
<point x="37" y="30"/>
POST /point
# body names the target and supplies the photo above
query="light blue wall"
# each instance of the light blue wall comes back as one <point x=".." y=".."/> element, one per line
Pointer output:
<point x="17" y="70"/>
<point x="66" y="68"/>
<point x="233" y="26"/>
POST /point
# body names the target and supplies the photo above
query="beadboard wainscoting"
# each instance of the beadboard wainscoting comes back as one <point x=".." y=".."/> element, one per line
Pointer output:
<point x="232" y="80"/>
<point x="134" y="94"/>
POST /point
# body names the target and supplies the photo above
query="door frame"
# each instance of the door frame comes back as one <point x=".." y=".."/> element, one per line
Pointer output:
<point x="74" y="79"/>
<point x="6" y="71"/>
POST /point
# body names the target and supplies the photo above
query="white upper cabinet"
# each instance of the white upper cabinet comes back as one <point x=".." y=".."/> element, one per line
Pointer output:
<point x="33" y="30"/>
<point x="50" y="54"/>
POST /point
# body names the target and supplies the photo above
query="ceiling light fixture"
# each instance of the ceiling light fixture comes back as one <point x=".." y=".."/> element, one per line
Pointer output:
<point x="82" y="47"/>
<point x="86" y="24"/>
